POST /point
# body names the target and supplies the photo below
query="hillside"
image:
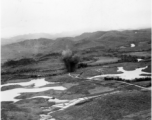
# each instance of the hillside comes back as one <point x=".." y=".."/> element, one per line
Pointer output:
<point x="107" y="40"/>
<point x="112" y="80"/>
<point x="19" y="38"/>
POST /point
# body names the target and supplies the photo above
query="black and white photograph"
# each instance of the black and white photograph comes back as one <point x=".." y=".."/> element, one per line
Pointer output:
<point x="75" y="59"/>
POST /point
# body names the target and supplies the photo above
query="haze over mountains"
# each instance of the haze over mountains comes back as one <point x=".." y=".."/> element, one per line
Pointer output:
<point x="19" y="38"/>
<point x="32" y="44"/>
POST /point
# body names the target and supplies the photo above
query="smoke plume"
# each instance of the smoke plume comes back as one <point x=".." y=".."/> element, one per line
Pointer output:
<point x="70" y="60"/>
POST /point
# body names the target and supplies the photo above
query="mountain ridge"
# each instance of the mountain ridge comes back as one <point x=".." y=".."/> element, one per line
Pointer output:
<point x="107" y="39"/>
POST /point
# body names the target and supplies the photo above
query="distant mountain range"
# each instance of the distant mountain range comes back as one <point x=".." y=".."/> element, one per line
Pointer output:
<point x="25" y="37"/>
<point x="43" y="44"/>
<point x="20" y="38"/>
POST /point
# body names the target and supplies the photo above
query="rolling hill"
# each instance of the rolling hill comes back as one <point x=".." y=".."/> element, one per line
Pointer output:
<point x="104" y="39"/>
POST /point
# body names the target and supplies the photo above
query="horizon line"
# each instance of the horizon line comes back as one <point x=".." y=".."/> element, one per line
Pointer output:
<point x="72" y="32"/>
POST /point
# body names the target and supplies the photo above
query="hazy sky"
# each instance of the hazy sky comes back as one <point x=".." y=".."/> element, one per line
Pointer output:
<point x="56" y="16"/>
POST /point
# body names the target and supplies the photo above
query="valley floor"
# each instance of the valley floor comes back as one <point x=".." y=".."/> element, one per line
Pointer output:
<point x="78" y="97"/>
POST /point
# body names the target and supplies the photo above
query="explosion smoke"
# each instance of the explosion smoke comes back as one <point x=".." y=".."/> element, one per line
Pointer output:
<point x="70" y="60"/>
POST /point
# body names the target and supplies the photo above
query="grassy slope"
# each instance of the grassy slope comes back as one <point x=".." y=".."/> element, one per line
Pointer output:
<point x="110" y="107"/>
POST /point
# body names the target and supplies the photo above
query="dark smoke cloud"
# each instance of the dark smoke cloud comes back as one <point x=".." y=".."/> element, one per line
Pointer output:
<point x="70" y="60"/>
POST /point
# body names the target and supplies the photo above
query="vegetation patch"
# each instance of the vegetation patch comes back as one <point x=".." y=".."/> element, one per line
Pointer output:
<point x="64" y="79"/>
<point x="128" y="58"/>
<point x="10" y="111"/>
<point x="148" y="69"/>
<point x="143" y="83"/>
<point x="140" y="54"/>
<point x="103" y="60"/>
<point x="100" y="89"/>
<point x="10" y="87"/>
<point x="21" y="62"/>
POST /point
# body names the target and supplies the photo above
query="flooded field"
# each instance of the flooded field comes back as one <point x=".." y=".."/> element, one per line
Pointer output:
<point x="37" y="86"/>
<point x="128" y="75"/>
<point x="61" y="104"/>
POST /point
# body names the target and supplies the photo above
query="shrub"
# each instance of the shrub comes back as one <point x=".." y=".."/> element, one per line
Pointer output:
<point x="128" y="58"/>
<point x="24" y="61"/>
<point x="82" y="65"/>
<point x="134" y="80"/>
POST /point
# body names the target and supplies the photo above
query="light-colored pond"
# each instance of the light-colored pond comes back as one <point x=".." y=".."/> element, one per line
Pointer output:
<point x="128" y="75"/>
<point x="9" y="95"/>
<point x="36" y="83"/>
<point x="132" y="45"/>
<point x="139" y="60"/>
